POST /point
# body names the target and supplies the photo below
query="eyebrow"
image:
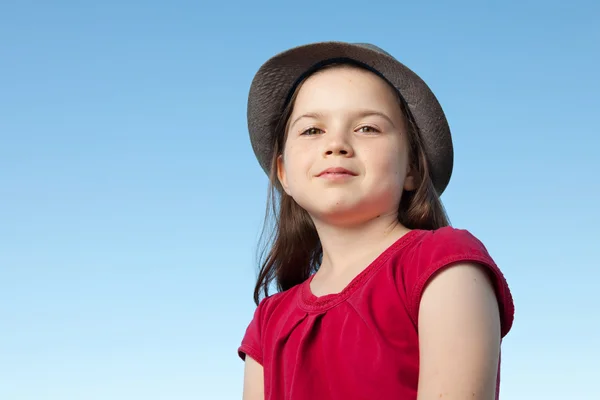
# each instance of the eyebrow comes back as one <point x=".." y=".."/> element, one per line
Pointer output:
<point x="368" y="113"/>
<point x="313" y="115"/>
<point x="359" y="114"/>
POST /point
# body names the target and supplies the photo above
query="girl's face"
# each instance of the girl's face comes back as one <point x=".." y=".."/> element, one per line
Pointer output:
<point x="346" y="158"/>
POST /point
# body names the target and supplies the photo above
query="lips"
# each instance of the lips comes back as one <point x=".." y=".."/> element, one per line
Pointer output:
<point x="336" y="171"/>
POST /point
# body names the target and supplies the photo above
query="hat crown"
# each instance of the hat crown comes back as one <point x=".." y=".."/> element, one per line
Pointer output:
<point x="373" y="47"/>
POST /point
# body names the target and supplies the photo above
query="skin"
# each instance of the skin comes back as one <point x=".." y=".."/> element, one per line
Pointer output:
<point x="350" y="118"/>
<point x="254" y="383"/>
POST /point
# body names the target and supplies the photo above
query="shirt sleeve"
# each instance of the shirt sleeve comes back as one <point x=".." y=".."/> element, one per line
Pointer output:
<point x="443" y="248"/>
<point x="252" y="340"/>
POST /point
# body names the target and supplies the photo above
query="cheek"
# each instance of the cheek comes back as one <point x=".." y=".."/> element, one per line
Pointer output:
<point x="388" y="168"/>
<point x="388" y="165"/>
<point x="297" y="161"/>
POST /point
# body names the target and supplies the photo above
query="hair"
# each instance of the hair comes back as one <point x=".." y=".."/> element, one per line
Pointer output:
<point x="293" y="250"/>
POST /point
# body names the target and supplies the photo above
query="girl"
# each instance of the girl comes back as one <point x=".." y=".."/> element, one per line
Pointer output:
<point x="378" y="297"/>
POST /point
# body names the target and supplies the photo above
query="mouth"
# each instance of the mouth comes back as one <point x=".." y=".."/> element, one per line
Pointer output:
<point x="336" y="172"/>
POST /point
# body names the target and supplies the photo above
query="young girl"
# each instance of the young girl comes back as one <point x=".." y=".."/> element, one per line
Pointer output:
<point x="378" y="297"/>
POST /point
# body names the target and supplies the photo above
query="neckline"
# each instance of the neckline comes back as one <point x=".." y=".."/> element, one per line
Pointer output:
<point x="311" y="303"/>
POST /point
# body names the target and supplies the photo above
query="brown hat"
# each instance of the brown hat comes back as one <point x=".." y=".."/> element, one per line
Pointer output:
<point x="277" y="79"/>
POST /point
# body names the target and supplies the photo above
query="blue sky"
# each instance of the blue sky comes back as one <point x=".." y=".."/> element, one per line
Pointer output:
<point x="131" y="202"/>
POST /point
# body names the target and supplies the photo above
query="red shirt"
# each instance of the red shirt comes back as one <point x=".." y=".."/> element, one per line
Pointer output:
<point x="361" y="343"/>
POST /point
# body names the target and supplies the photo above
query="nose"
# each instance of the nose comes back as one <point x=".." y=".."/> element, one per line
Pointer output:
<point x="338" y="145"/>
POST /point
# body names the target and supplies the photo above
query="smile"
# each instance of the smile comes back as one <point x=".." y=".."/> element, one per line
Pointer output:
<point x="336" y="174"/>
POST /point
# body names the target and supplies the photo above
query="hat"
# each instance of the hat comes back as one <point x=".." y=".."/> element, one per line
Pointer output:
<point x="277" y="78"/>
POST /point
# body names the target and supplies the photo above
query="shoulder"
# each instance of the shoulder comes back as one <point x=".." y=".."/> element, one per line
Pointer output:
<point x="444" y="242"/>
<point x="274" y="304"/>
<point x="432" y="251"/>
<point x="269" y="310"/>
<point x="277" y="304"/>
<point x="279" y="299"/>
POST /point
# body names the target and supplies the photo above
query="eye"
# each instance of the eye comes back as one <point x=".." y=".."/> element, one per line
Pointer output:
<point x="311" y="132"/>
<point x="368" y="129"/>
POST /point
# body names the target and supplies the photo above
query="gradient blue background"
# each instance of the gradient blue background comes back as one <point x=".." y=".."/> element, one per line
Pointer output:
<point x="131" y="203"/>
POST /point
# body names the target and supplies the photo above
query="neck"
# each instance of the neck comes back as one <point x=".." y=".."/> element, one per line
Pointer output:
<point x="348" y="248"/>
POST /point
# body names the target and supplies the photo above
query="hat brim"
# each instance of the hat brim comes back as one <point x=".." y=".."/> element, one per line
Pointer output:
<point x="274" y="81"/>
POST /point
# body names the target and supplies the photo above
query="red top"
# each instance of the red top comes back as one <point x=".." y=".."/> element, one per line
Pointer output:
<point x="361" y="343"/>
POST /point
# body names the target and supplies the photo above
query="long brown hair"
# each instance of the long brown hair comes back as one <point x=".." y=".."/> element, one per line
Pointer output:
<point x="292" y="250"/>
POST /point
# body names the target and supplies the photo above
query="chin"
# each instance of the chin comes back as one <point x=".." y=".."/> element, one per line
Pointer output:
<point x="341" y="213"/>
<point x="344" y="209"/>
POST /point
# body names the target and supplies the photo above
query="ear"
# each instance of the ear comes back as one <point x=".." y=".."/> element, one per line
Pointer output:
<point x="281" y="175"/>
<point x="411" y="179"/>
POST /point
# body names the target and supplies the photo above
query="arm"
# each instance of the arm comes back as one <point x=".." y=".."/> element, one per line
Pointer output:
<point x="253" y="380"/>
<point x="459" y="336"/>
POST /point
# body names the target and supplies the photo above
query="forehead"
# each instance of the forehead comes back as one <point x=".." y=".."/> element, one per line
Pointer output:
<point x="346" y="87"/>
